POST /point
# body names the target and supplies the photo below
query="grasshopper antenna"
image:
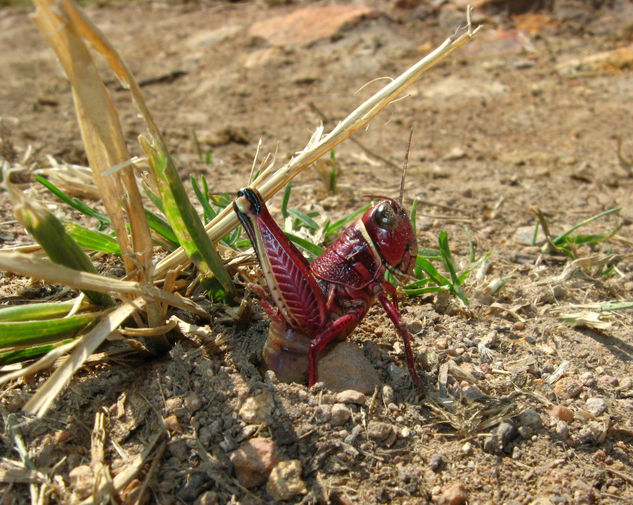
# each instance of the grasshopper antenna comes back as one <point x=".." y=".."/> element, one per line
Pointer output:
<point x="404" y="169"/>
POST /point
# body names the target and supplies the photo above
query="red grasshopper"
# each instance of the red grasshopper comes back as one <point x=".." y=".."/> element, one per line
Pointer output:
<point x="325" y="300"/>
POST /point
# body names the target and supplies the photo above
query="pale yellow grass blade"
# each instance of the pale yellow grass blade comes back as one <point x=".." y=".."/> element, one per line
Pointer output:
<point x="41" y="401"/>
<point x="58" y="274"/>
<point x="102" y="135"/>
<point x="320" y="145"/>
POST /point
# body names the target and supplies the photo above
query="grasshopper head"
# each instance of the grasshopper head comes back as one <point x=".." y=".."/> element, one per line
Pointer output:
<point x="389" y="227"/>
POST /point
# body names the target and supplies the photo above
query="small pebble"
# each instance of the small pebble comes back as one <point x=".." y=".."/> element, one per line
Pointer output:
<point x="561" y="412"/>
<point x="285" y="481"/>
<point x="626" y="383"/>
<point x="208" y="498"/>
<point x="351" y="396"/>
<point x="174" y="405"/>
<point x="253" y="461"/>
<point x="257" y="409"/>
<point x="441" y="343"/>
<point x="490" y="340"/>
<point x="322" y="413"/>
<point x="467" y="448"/>
<point x="530" y="418"/>
<point x="172" y="424"/>
<point x="353" y="436"/>
<point x="388" y="395"/>
<point x="473" y="393"/>
<point x="197" y="482"/>
<point x="340" y="414"/>
<point x="507" y="432"/>
<point x="568" y="388"/>
<point x="178" y="449"/>
<point x="436" y="462"/>
<point x="588" y="379"/>
<point x="562" y="430"/>
<point x="82" y="480"/>
<point x="608" y="380"/>
<point x="414" y="326"/>
<point x="455" y="494"/>
<point x="596" y="405"/>
<point x="346" y="367"/>
<point x="193" y="402"/>
<point x="379" y="431"/>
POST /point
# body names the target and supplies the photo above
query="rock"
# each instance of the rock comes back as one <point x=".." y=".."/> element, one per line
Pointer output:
<point x="626" y="383"/>
<point x="455" y="494"/>
<point x="257" y="409"/>
<point x="388" y="395"/>
<point x="473" y="393"/>
<point x="340" y="414"/>
<point x="507" y="432"/>
<point x="530" y="418"/>
<point x="490" y="340"/>
<point x="346" y="367"/>
<point x="568" y="388"/>
<point x="193" y="402"/>
<point x="562" y="430"/>
<point x="178" y="449"/>
<point x="253" y="461"/>
<point x="596" y="405"/>
<point x="82" y="480"/>
<point x="467" y="448"/>
<point x="322" y="414"/>
<point x="498" y="441"/>
<point x="588" y="379"/>
<point x="562" y="412"/>
<point x="197" y="483"/>
<point x="305" y="26"/>
<point x="436" y="462"/>
<point x="174" y="405"/>
<point x="379" y="431"/>
<point x="351" y="396"/>
<point x="608" y="380"/>
<point x="208" y="498"/>
<point x="285" y="481"/>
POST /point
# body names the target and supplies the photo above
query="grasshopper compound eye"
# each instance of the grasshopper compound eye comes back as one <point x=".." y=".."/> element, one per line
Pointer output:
<point x="385" y="217"/>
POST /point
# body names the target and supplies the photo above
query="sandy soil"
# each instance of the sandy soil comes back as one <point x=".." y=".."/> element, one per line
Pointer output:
<point x="525" y="116"/>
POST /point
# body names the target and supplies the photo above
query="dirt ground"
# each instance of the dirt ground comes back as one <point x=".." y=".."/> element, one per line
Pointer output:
<point x="525" y="116"/>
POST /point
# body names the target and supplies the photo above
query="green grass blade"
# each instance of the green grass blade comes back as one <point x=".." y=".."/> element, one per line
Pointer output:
<point x="92" y="240"/>
<point x="50" y="233"/>
<point x="28" y="333"/>
<point x="414" y="211"/>
<point x="34" y="311"/>
<point x="422" y="291"/>
<point x="75" y="203"/>
<point x="334" y="227"/>
<point x="162" y="228"/>
<point x="313" y="249"/>
<point x="284" y="200"/>
<point x="203" y="198"/>
<point x="447" y="258"/>
<point x="29" y="352"/>
<point x="183" y="218"/>
<point x="304" y="219"/>
<point x="431" y="271"/>
<point x="617" y="306"/>
<point x="154" y="198"/>
<point x="557" y="240"/>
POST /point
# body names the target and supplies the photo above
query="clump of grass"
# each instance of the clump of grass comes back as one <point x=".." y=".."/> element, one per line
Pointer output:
<point x="567" y="243"/>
